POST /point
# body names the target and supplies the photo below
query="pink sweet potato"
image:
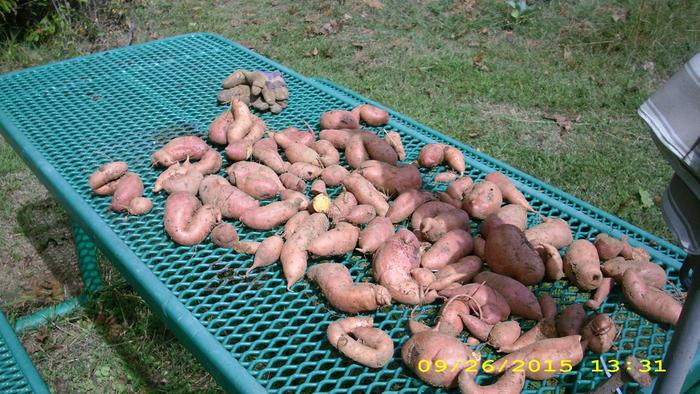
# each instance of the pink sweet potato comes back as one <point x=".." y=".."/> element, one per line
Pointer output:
<point x="551" y="352"/>
<point x="366" y="193"/>
<point x="129" y="186"/>
<point x="340" y="120"/>
<point x="390" y="179"/>
<point x="239" y="150"/>
<point x="652" y="303"/>
<point x="504" y="334"/>
<point x="358" y="340"/>
<point x="305" y="171"/>
<point x="335" y="242"/>
<point x="480" y="246"/>
<point x="140" y="206"/>
<point x="608" y="247"/>
<point x="303" y="200"/>
<point x="652" y="274"/>
<point x="378" y="149"/>
<point x="488" y="304"/>
<point x="452" y="246"/>
<point x="345" y="295"/>
<point x="293" y="182"/>
<point x="601" y="293"/>
<point x="338" y="137"/>
<point x="179" y="178"/>
<point x="548" y="306"/>
<point x="224" y="235"/>
<point x="394" y="140"/>
<point x="508" y="190"/>
<point x="341" y="206"/>
<point x="446" y="198"/>
<point x="179" y="149"/>
<point x="271" y="215"/>
<point x="291" y="226"/>
<point x="355" y="152"/>
<point x="552" y="231"/>
<point x="216" y="191"/>
<point x="484" y="199"/>
<point x="266" y="152"/>
<point x="268" y="252"/>
<point x="429" y="209"/>
<point x="375" y="234"/>
<point x="372" y="115"/>
<point x="431" y="155"/>
<point x="455" y="159"/>
<point x="302" y="137"/>
<point x="434" y="228"/>
<point x="520" y="299"/>
<point x="256" y="180"/>
<point x="460" y="187"/>
<point x="294" y="252"/>
<point x="582" y="265"/>
<point x="461" y="271"/>
<point x="104" y="180"/>
<point x="334" y="175"/>
<point x="507" y="252"/>
<point x="218" y="128"/>
<point x="445" y="177"/>
<point x="361" y="214"/>
<point x="553" y="263"/>
<point x="328" y="154"/>
<point x="544" y="329"/>
<point x="406" y="203"/>
<point x="511" y="382"/>
<point x="507" y="214"/>
<point x="571" y="320"/>
<point x="186" y="220"/>
<point x="210" y="163"/>
<point x="598" y="333"/>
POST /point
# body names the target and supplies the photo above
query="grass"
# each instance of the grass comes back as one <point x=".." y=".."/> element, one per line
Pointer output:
<point x="463" y="67"/>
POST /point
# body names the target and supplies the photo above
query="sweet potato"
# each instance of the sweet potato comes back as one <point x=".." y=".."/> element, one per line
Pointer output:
<point x="335" y="242"/>
<point x="484" y="199"/>
<point x="294" y="252"/>
<point x="104" y="180"/>
<point x="345" y="295"/>
<point x="303" y="200"/>
<point x="480" y="246"/>
<point x="511" y="382"/>
<point x="302" y="137"/>
<point x="423" y="276"/>
<point x="298" y="153"/>
<point x="129" y="186"/>
<point x="476" y="327"/>
<point x="460" y="187"/>
<point x="508" y="190"/>
<point x="271" y="215"/>
<point x="334" y="175"/>
<point x="463" y="270"/>
<point x="544" y="329"/>
<point x="186" y="220"/>
<point x="434" y="228"/>
<point x="179" y="149"/>
<point x="507" y="214"/>
<point x="429" y="209"/>
<point x="224" y="235"/>
<point x="553" y="263"/>
<point x="652" y="274"/>
<point x="256" y="180"/>
<point x="372" y="115"/>
<point x="550" y="353"/>
<point x="406" y="203"/>
<point x="266" y="152"/>
<point x="246" y="247"/>
<point x="455" y="159"/>
<point x="508" y="253"/>
<point x="338" y="137"/>
<point x="571" y="320"/>
<point x="601" y="293"/>
<point x="242" y="121"/>
<point x="446" y="198"/>
<point x="340" y="120"/>
<point x="305" y="171"/>
<point x="375" y="234"/>
<point x="630" y="253"/>
<point x="394" y="140"/>
<point x="341" y="206"/>
<point x="520" y="299"/>
<point x="391" y="179"/>
<point x="218" y="128"/>
<point x="598" y="333"/>
<point x="140" y="206"/>
<point x="582" y="265"/>
<point x="293" y="182"/>
<point x="268" y="252"/>
<point x="487" y="303"/>
<point x="652" y="303"/>
<point x="607" y="246"/>
<point x="358" y="340"/>
<point x="184" y="178"/>
<point x="257" y="131"/>
<point x="327" y="152"/>
<point x="291" y="226"/>
<point x="392" y="264"/>
<point x="366" y="193"/>
<point x="318" y="187"/>
<point x="431" y="155"/>
<point x="210" y="163"/>
<point x="215" y="190"/>
<point x="239" y="150"/>
<point x="503" y="334"/>
<point x="434" y="346"/>
<point x="445" y="177"/>
<point x="451" y="247"/>
<point x="552" y="231"/>
<point x="355" y="152"/>
<point x="361" y="214"/>
<point x="548" y="306"/>
<point x="378" y="149"/>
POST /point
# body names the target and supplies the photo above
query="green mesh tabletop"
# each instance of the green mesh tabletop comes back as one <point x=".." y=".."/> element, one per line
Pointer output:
<point x="17" y="373"/>
<point x="67" y="118"/>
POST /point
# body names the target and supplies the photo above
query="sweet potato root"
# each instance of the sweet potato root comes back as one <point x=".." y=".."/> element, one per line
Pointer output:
<point x="508" y="190"/>
<point x="392" y="264"/>
<point x="140" y="206"/>
<point x="487" y="303"/>
<point x="460" y="187"/>
<point x="186" y="220"/>
<point x="336" y="242"/>
<point x="406" y="203"/>
<point x="224" y="235"/>
<point x="358" y="340"/>
<point x="339" y="289"/>
<point x="463" y="270"/>
<point x="104" y="180"/>
<point x="302" y="137"/>
<point x="242" y="121"/>
<point x="651" y="273"/>
<point x="607" y="246"/>
<point x="551" y="231"/>
<point x="434" y="228"/>
<point x="328" y="154"/>
<point x="547" y="351"/>
<point x="521" y="300"/>
<point x="215" y="190"/>
<point x="355" y="152"/>
<point x="503" y="334"/>
<point x="268" y="252"/>
<point x="652" y="303"/>
<point x="455" y="159"/>
<point x="511" y="382"/>
<point x="305" y="171"/>
<point x="394" y="140"/>
<point x="218" y="128"/>
<point x="372" y="115"/>
<point x="340" y="120"/>
<point x="391" y="179"/>
<point x="361" y="214"/>
<point x="484" y="199"/>
<point x="366" y="193"/>
<point x="429" y="209"/>
<point x="451" y="247"/>
<point x="179" y="149"/>
<point x="338" y="137"/>
<point x="239" y="150"/>
<point x="571" y="320"/>
<point x="445" y="177"/>
<point x="294" y="252"/>
<point x="269" y="216"/>
<point x="508" y="214"/>
<point x="210" y="163"/>
<point x="179" y="178"/>
<point x="601" y="293"/>
<point x="128" y="187"/>
<point x="266" y="152"/>
<point x="291" y="226"/>
<point x="431" y="155"/>
<point x="553" y="263"/>
<point x="334" y="175"/>
<point x="375" y="234"/>
<point x="256" y="180"/>
<point x="293" y="182"/>
<point x="548" y="306"/>
<point x="582" y="265"/>
<point x="598" y="333"/>
<point x="508" y="253"/>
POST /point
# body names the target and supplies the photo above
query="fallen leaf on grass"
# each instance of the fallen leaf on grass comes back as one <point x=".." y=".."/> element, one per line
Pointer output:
<point x="562" y="121"/>
<point x="479" y="63"/>
<point x="376" y="4"/>
<point x="645" y="198"/>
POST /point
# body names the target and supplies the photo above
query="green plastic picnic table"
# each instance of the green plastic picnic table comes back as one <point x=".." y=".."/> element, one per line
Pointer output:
<point x="66" y="119"/>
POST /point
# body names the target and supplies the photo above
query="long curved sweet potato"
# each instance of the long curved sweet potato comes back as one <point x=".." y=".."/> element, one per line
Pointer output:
<point x="652" y="303"/>
<point x="104" y="180"/>
<point x="406" y="203"/>
<point x="335" y="242"/>
<point x="390" y="179"/>
<point x="269" y="216"/>
<point x="186" y="220"/>
<point x="508" y="190"/>
<point x="366" y="193"/>
<point x="511" y="382"/>
<point x="179" y="149"/>
<point x="345" y="295"/>
<point x="294" y="252"/>
<point x="215" y="190"/>
<point x="451" y="247"/>
<point x="521" y="300"/>
<point x="358" y="340"/>
<point x="375" y="234"/>
<point x="551" y="352"/>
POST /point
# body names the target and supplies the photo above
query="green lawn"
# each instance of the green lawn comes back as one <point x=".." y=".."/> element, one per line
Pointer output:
<point x="466" y="68"/>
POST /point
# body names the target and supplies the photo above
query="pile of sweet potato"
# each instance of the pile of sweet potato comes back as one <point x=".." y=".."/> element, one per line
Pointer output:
<point x="420" y="243"/>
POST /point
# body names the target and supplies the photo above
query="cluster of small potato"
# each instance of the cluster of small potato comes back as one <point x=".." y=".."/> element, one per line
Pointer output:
<point x="437" y="259"/>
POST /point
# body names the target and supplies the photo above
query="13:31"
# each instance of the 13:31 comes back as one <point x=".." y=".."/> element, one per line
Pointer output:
<point x="647" y="366"/>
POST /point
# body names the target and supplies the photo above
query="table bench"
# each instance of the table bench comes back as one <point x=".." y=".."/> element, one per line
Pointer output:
<point x="67" y="118"/>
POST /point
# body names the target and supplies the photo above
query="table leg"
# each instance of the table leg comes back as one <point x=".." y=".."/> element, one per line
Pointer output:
<point x="86" y="251"/>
